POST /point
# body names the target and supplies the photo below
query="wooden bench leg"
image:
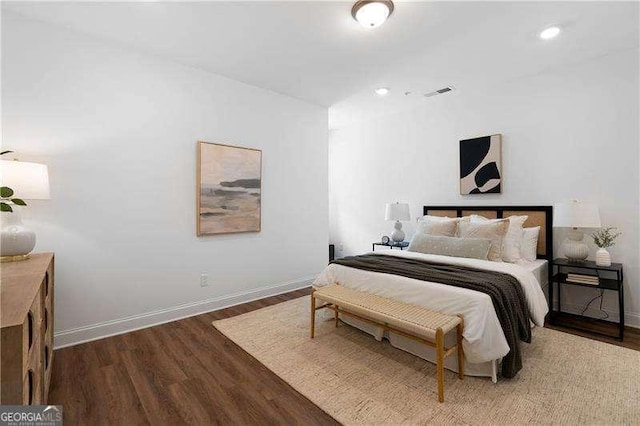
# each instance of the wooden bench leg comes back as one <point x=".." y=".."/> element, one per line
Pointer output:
<point x="440" y="363"/>
<point x="336" y="315"/>
<point x="313" y="314"/>
<point x="460" y="329"/>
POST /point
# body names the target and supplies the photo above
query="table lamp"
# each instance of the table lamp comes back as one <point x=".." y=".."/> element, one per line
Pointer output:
<point x="576" y="215"/>
<point x="397" y="211"/>
<point x="29" y="181"/>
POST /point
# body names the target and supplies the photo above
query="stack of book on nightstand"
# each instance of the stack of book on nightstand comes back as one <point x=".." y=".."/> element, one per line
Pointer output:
<point x="583" y="279"/>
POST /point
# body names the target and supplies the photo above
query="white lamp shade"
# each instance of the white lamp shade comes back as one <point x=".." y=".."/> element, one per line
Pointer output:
<point x="29" y="181"/>
<point x="397" y="211"/>
<point x="575" y="214"/>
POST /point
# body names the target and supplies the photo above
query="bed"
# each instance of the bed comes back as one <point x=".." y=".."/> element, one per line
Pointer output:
<point x="484" y="341"/>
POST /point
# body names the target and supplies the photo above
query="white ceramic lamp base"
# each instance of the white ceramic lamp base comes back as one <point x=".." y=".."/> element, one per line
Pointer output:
<point x="574" y="249"/>
<point x="398" y="234"/>
<point x="16" y="240"/>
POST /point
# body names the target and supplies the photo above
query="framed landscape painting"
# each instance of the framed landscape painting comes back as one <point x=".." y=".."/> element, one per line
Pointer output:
<point x="229" y="183"/>
<point x="481" y="165"/>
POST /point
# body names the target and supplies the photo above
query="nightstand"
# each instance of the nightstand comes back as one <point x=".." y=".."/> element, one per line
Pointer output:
<point x="610" y="278"/>
<point x="401" y="245"/>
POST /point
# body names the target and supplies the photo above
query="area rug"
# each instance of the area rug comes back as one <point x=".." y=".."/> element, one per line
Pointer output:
<point x="566" y="379"/>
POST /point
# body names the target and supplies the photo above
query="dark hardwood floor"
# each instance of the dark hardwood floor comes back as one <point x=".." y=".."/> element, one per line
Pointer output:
<point x="186" y="372"/>
<point x="631" y="335"/>
<point x="183" y="372"/>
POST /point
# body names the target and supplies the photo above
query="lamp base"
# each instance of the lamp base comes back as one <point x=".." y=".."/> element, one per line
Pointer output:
<point x="4" y="259"/>
<point x="574" y="249"/>
<point x="398" y="234"/>
<point x="16" y="240"/>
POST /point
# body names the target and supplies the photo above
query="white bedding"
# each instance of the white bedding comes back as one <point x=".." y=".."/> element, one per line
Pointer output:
<point x="540" y="269"/>
<point x="483" y="337"/>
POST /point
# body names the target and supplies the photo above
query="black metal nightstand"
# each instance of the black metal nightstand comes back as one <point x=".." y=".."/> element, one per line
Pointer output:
<point x="401" y="245"/>
<point x="610" y="278"/>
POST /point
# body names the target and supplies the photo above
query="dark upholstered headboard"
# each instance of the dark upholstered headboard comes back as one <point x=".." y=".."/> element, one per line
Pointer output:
<point x="538" y="216"/>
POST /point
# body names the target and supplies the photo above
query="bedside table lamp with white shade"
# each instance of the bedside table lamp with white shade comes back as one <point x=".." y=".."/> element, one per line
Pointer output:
<point x="29" y="181"/>
<point x="576" y="215"/>
<point x="397" y="211"/>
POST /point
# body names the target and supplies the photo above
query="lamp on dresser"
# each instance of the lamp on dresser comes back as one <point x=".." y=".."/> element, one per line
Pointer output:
<point x="19" y="181"/>
<point x="577" y="216"/>
<point x="398" y="212"/>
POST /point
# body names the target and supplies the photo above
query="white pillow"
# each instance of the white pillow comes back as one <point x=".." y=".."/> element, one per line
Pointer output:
<point x="463" y="219"/>
<point x="513" y="238"/>
<point x="529" y="246"/>
<point x="494" y="230"/>
<point x="437" y="218"/>
<point x="435" y="225"/>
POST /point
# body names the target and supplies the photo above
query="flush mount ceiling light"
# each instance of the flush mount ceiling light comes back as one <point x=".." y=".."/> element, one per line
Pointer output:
<point x="381" y="91"/>
<point x="371" y="13"/>
<point x="549" y="33"/>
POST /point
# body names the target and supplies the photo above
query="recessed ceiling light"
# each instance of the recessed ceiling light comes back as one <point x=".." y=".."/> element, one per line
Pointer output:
<point x="371" y="13"/>
<point x="549" y="33"/>
<point x="381" y="91"/>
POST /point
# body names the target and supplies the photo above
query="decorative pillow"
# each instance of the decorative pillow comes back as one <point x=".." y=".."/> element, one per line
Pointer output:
<point x="463" y="219"/>
<point x="529" y="246"/>
<point x="493" y="230"/>
<point x="475" y="248"/>
<point x="435" y="225"/>
<point x="513" y="238"/>
<point x="436" y="218"/>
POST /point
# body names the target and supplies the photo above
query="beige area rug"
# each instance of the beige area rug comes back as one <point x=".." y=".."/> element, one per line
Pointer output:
<point x="566" y="379"/>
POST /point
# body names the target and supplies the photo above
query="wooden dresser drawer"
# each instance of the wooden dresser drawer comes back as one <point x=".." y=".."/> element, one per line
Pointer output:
<point x="33" y="330"/>
<point x="26" y="330"/>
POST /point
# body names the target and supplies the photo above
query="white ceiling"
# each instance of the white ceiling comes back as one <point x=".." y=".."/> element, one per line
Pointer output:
<point x="315" y="51"/>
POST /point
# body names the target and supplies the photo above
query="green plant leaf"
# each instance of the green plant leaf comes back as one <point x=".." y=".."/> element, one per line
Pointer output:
<point x="5" y="152"/>
<point x="18" y="201"/>
<point x="6" y="192"/>
<point x="4" y="207"/>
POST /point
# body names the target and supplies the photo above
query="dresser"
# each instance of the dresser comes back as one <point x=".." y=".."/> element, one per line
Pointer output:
<point x="26" y="329"/>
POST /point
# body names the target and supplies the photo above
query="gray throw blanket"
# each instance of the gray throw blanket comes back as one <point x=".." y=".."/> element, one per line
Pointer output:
<point x="505" y="291"/>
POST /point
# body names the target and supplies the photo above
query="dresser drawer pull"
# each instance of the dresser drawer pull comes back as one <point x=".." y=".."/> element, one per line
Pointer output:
<point x="46" y="357"/>
<point x="30" y="385"/>
<point x="30" y="329"/>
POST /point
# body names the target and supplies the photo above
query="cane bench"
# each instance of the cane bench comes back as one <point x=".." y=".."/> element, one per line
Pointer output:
<point x="411" y="321"/>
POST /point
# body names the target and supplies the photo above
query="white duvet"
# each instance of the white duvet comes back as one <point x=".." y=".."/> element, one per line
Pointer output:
<point x="483" y="337"/>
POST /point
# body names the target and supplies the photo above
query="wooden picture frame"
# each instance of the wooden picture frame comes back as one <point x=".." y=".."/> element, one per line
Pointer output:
<point x="228" y="189"/>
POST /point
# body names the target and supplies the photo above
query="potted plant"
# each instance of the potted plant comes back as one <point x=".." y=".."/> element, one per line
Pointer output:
<point x="604" y="239"/>
<point x="6" y="195"/>
<point x="15" y="238"/>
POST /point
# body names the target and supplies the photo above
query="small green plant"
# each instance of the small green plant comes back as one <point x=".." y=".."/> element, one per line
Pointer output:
<point x="606" y="237"/>
<point x="6" y="195"/>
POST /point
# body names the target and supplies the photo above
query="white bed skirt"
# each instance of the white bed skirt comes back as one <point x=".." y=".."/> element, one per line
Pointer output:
<point x="485" y="369"/>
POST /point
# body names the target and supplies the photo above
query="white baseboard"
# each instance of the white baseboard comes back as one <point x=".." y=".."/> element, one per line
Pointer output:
<point x="101" y="330"/>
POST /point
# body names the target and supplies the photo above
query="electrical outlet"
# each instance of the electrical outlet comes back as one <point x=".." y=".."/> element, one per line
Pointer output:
<point x="204" y="280"/>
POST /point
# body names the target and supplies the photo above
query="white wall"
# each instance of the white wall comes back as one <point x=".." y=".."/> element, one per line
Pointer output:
<point x="569" y="133"/>
<point x="118" y="130"/>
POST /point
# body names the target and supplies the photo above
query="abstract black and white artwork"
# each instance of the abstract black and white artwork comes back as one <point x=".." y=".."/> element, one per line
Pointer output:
<point x="481" y="165"/>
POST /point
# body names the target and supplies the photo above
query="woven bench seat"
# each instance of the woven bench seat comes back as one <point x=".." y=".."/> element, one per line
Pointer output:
<point x="409" y="320"/>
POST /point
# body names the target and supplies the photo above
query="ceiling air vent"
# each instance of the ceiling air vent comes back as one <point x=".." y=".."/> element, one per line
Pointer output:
<point x="438" y="92"/>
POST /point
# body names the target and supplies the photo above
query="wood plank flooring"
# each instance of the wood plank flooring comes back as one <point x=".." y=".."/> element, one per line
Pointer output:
<point x="186" y="372"/>
<point x="631" y="335"/>
<point x="183" y="372"/>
